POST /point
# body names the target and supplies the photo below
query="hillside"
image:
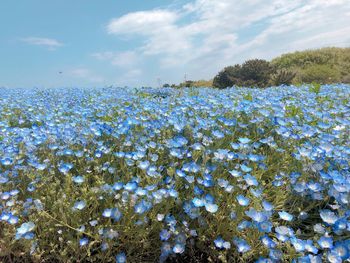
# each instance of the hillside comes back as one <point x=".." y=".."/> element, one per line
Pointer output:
<point x="325" y="65"/>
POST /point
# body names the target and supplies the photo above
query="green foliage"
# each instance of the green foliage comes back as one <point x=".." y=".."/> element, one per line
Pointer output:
<point x="228" y="77"/>
<point x="320" y="73"/>
<point x="315" y="88"/>
<point x="255" y="72"/>
<point x="326" y="65"/>
<point x="282" y="76"/>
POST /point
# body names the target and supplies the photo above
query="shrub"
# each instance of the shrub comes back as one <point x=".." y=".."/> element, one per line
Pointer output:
<point x="320" y="73"/>
<point x="228" y="77"/>
<point x="282" y="77"/>
<point x="255" y="72"/>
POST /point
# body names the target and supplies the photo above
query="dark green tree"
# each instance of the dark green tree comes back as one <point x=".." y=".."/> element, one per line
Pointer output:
<point x="228" y="77"/>
<point x="256" y="72"/>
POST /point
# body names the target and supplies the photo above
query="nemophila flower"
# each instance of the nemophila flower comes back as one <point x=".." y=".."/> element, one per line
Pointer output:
<point x="257" y="192"/>
<point x="93" y="222"/>
<point x="222" y="244"/>
<point x="268" y="242"/>
<point x="244" y="140"/>
<point x="164" y="235"/>
<point x="78" y="179"/>
<point x="5" y="216"/>
<point x="142" y="207"/>
<point x="211" y="208"/>
<point x="267" y="206"/>
<point x="318" y="228"/>
<point x="242" y="200"/>
<point x="65" y="167"/>
<point x="113" y="213"/>
<point x="131" y="186"/>
<point x="265" y="226"/>
<point x="284" y="230"/>
<point x="242" y="245"/>
<point x="325" y="242"/>
<point x="24" y="230"/>
<point x="5" y="196"/>
<point x="309" y="246"/>
<point x="6" y="161"/>
<point x="246" y="168"/>
<point x="179" y="248"/>
<point x="275" y="254"/>
<point x="328" y="216"/>
<point x="120" y="258"/>
<point x="235" y="173"/>
<point x="79" y="205"/>
<point x="12" y="220"/>
<point x="298" y="244"/>
<point x="243" y="225"/>
<point x="334" y="258"/>
<point x="198" y="202"/>
<point x="251" y="180"/>
<point x="83" y="241"/>
<point x="342" y="250"/>
<point x="256" y="215"/>
<point x="285" y="216"/>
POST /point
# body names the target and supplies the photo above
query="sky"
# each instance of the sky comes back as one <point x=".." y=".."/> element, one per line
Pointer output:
<point x="90" y="43"/>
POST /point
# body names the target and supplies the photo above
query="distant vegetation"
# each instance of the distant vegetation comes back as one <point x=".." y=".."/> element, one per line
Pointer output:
<point x="324" y="66"/>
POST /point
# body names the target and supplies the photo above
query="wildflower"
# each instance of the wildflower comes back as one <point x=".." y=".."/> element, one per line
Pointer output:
<point x="242" y="200"/>
<point x="79" y="205"/>
<point x="285" y="216"/>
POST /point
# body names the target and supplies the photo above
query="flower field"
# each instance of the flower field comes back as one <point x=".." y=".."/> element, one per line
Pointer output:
<point x="169" y="175"/>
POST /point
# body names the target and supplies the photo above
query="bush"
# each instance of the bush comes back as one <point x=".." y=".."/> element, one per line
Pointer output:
<point x="282" y="77"/>
<point x="228" y="77"/>
<point x="320" y="73"/>
<point x="255" y="72"/>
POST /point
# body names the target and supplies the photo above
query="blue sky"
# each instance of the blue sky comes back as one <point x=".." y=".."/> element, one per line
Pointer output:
<point x="137" y="42"/>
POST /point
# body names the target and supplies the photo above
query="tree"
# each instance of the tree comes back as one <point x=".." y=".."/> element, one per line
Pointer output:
<point x="256" y="72"/>
<point x="228" y="77"/>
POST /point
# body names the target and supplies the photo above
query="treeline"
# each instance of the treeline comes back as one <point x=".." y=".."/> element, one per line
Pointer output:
<point x="323" y="66"/>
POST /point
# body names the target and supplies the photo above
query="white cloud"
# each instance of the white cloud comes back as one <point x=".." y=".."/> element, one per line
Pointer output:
<point x="203" y="36"/>
<point x="125" y="59"/>
<point x="49" y="43"/>
<point x="84" y="73"/>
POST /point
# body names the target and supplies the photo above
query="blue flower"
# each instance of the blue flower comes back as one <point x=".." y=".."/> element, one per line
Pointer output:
<point x="83" y="241"/>
<point x="242" y="200"/>
<point x="197" y="202"/>
<point x="78" y="179"/>
<point x="79" y="205"/>
<point x="179" y="248"/>
<point x="113" y="213"/>
<point x="120" y="258"/>
<point x="328" y="216"/>
<point x="285" y="216"/>
<point x="325" y="242"/>
<point x="164" y="235"/>
<point x="242" y="245"/>
<point x="24" y="229"/>
<point x="211" y="208"/>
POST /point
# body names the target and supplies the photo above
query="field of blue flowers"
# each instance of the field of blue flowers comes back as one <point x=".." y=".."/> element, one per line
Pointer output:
<point x="168" y="175"/>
